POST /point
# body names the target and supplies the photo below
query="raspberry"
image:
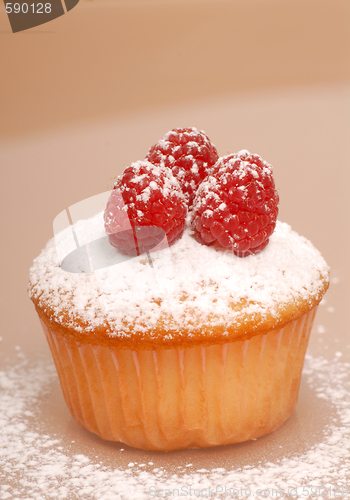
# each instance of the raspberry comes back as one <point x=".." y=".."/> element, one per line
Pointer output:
<point x="237" y="205"/>
<point x="145" y="205"/>
<point x="189" y="153"/>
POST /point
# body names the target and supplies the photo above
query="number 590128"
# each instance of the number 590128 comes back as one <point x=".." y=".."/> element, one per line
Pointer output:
<point x="24" y="8"/>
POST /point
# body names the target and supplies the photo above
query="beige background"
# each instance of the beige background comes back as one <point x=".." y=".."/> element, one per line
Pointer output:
<point x="106" y="58"/>
<point x="86" y="94"/>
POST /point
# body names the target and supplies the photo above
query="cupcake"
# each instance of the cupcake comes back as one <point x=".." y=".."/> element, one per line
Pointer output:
<point x="185" y="337"/>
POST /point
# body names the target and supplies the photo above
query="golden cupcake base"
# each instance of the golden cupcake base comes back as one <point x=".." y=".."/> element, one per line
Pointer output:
<point x="169" y="399"/>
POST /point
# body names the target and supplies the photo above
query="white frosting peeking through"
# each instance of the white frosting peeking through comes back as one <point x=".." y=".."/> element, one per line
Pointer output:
<point x="184" y="284"/>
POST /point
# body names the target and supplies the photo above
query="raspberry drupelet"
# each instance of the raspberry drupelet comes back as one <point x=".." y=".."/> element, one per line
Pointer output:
<point x="237" y="204"/>
<point x="189" y="153"/>
<point x="145" y="205"/>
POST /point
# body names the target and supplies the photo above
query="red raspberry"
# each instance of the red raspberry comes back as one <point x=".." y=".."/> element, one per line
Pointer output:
<point x="237" y="205"/>
<point x="145" y="205"/>
<point x="189" y="153"/>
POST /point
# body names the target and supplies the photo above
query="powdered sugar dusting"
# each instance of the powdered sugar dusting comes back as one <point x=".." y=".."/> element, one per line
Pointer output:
<point x="37" y="464"/>
<point x="192" y="282"/>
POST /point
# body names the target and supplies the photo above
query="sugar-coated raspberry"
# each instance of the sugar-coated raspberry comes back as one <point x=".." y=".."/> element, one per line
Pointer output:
<point x="237" y="204"/>
<point x="189" y="153"/>
<point x="145" y="205"/>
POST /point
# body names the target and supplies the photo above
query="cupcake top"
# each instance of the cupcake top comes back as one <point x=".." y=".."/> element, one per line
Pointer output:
<point x="185" y="295"/>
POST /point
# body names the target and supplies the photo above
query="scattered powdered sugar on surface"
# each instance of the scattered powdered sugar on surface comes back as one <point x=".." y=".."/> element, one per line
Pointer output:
<point x="185" y="280"/>
<point x="34" y="464"/>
